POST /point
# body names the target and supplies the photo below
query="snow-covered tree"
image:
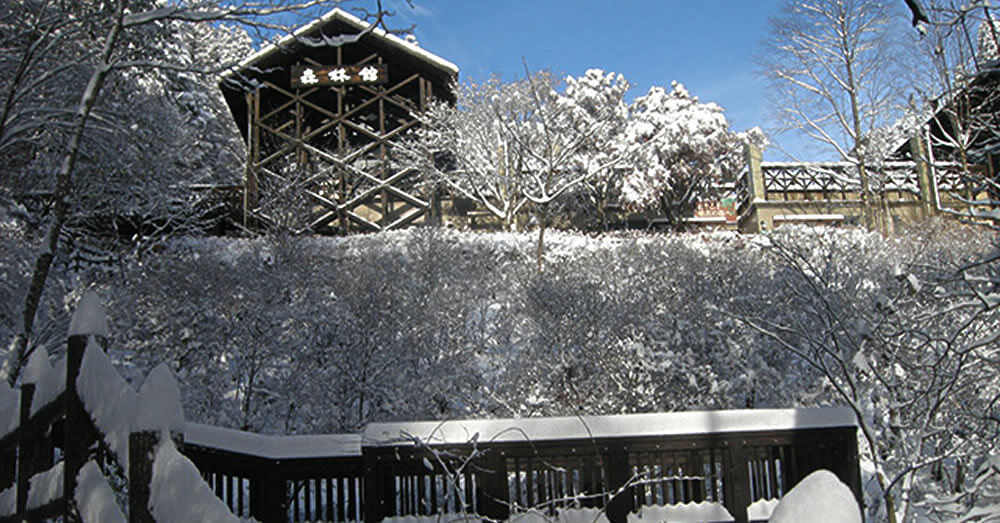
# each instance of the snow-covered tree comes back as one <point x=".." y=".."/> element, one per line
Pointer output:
<point x="687" y="149"/>
<point x="471" y="147"/>
<point x="909" y="343"/>
<point x="597" y="100"/>
<point x="830" y="66"/>
<point x="957" y="83"/>
<point x="513" y="145"/>
<point x="124" y="37"/>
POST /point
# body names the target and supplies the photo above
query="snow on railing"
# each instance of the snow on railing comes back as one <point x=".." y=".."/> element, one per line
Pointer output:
<point x="46" y="487"/>
<point x="108" y="398"/>
<point x="457" y="432"/>
<point x="272" y="447"/>
<point x="8" y="501"/>
<point x="10" y="408"/>
<point x="121" y="418"/>
<point x="159" y="403"/>
<point x="176" y="490"/>
<point x="49" y="380"/>
<point x="94" y="498"/>
<point x="178" y="493"/>
<point x="89" y="317"/>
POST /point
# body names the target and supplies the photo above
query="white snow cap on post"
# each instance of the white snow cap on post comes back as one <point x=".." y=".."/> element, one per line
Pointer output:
<point x="819" y="497"/>
<point x="38" y="366"/>
<point x="159" y="405"/>
<point x="89" y="317"/>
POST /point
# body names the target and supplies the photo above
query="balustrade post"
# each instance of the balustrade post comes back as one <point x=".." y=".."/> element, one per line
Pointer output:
<point x="141" y="456"/>
<point x="925" y="177"/>
<point x="496" y="506"/>
<point x="268" y="497"/>
<point x="619" y="473"/>
<point x="736" y="478"/>
<point x="25" y="455"/>
<point x="8" y="468"/>
<point x="755" y="188"/>
<point x="372" y="491"/>
<point x="76" y="434"/>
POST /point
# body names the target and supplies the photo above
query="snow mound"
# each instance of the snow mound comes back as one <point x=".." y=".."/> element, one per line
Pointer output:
<point x="704" y="511"/>
<point x="761" y="509"/>
<point x="94" y="497"/>
<point x="582" y="515"/>
<point x="435" y="518"/>
<point x="820" y="497"/>
<point x="566" y="515"/>
<point x="179" y="494"/>
<point x="89" y="317"/>
<point x="159" y="405"/>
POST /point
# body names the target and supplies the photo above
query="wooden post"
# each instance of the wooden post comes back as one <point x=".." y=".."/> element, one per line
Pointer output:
<point x="853" y="464"/>
<point x="495" y="504"/>
<point x="268" y="497"/>
<point x="77" y="434"/>
<point x="141" y="453"/>
<point x="25" y="459"/>
<point x="372" y="496"/>
<point x="618" y="474"/>
<point x="925" y="177"/>
<point x="737" y="481"/>
<point x="8" y="468"/>
<point x="250" y="194"/>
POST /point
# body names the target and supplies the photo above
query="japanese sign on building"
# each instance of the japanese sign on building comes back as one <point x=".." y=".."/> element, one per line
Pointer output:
<point x="725" y="207"/>
<point x="307" y="76"/>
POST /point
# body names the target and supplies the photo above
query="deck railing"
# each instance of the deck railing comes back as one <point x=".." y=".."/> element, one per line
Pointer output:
<point x="734" y="463"/>
<point x="772" y="192"/>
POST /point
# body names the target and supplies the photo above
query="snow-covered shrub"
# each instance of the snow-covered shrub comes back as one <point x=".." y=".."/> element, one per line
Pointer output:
<point x="298" y="335"/>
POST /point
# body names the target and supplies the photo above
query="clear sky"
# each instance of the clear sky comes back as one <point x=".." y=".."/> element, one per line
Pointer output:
<point x="708" y="45"/>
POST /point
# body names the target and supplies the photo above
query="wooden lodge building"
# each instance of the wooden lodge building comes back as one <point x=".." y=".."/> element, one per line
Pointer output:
<point x="318" y="111"/>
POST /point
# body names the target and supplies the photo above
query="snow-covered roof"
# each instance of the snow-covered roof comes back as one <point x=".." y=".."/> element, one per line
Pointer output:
<point x="273" y="447"/>
<point x="338" y="14"/>
<point x="619" y="426"/>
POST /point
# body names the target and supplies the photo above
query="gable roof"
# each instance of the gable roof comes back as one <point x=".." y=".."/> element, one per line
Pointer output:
<point x="335" y="29"/>
<point x="297" y="40"/>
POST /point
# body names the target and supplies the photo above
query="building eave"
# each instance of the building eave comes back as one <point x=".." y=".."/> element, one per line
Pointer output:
<point x="338" y="14"/>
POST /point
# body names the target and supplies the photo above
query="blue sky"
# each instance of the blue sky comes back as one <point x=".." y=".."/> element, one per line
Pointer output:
<point x="707" y="45"/>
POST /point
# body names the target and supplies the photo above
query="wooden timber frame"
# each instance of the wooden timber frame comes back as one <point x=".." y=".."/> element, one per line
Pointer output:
<point x="319" y="154"/>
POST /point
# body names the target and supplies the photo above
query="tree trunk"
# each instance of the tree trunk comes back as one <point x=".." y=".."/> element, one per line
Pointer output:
<point x="540" y="249"/>
<point x="17" y="353"/>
